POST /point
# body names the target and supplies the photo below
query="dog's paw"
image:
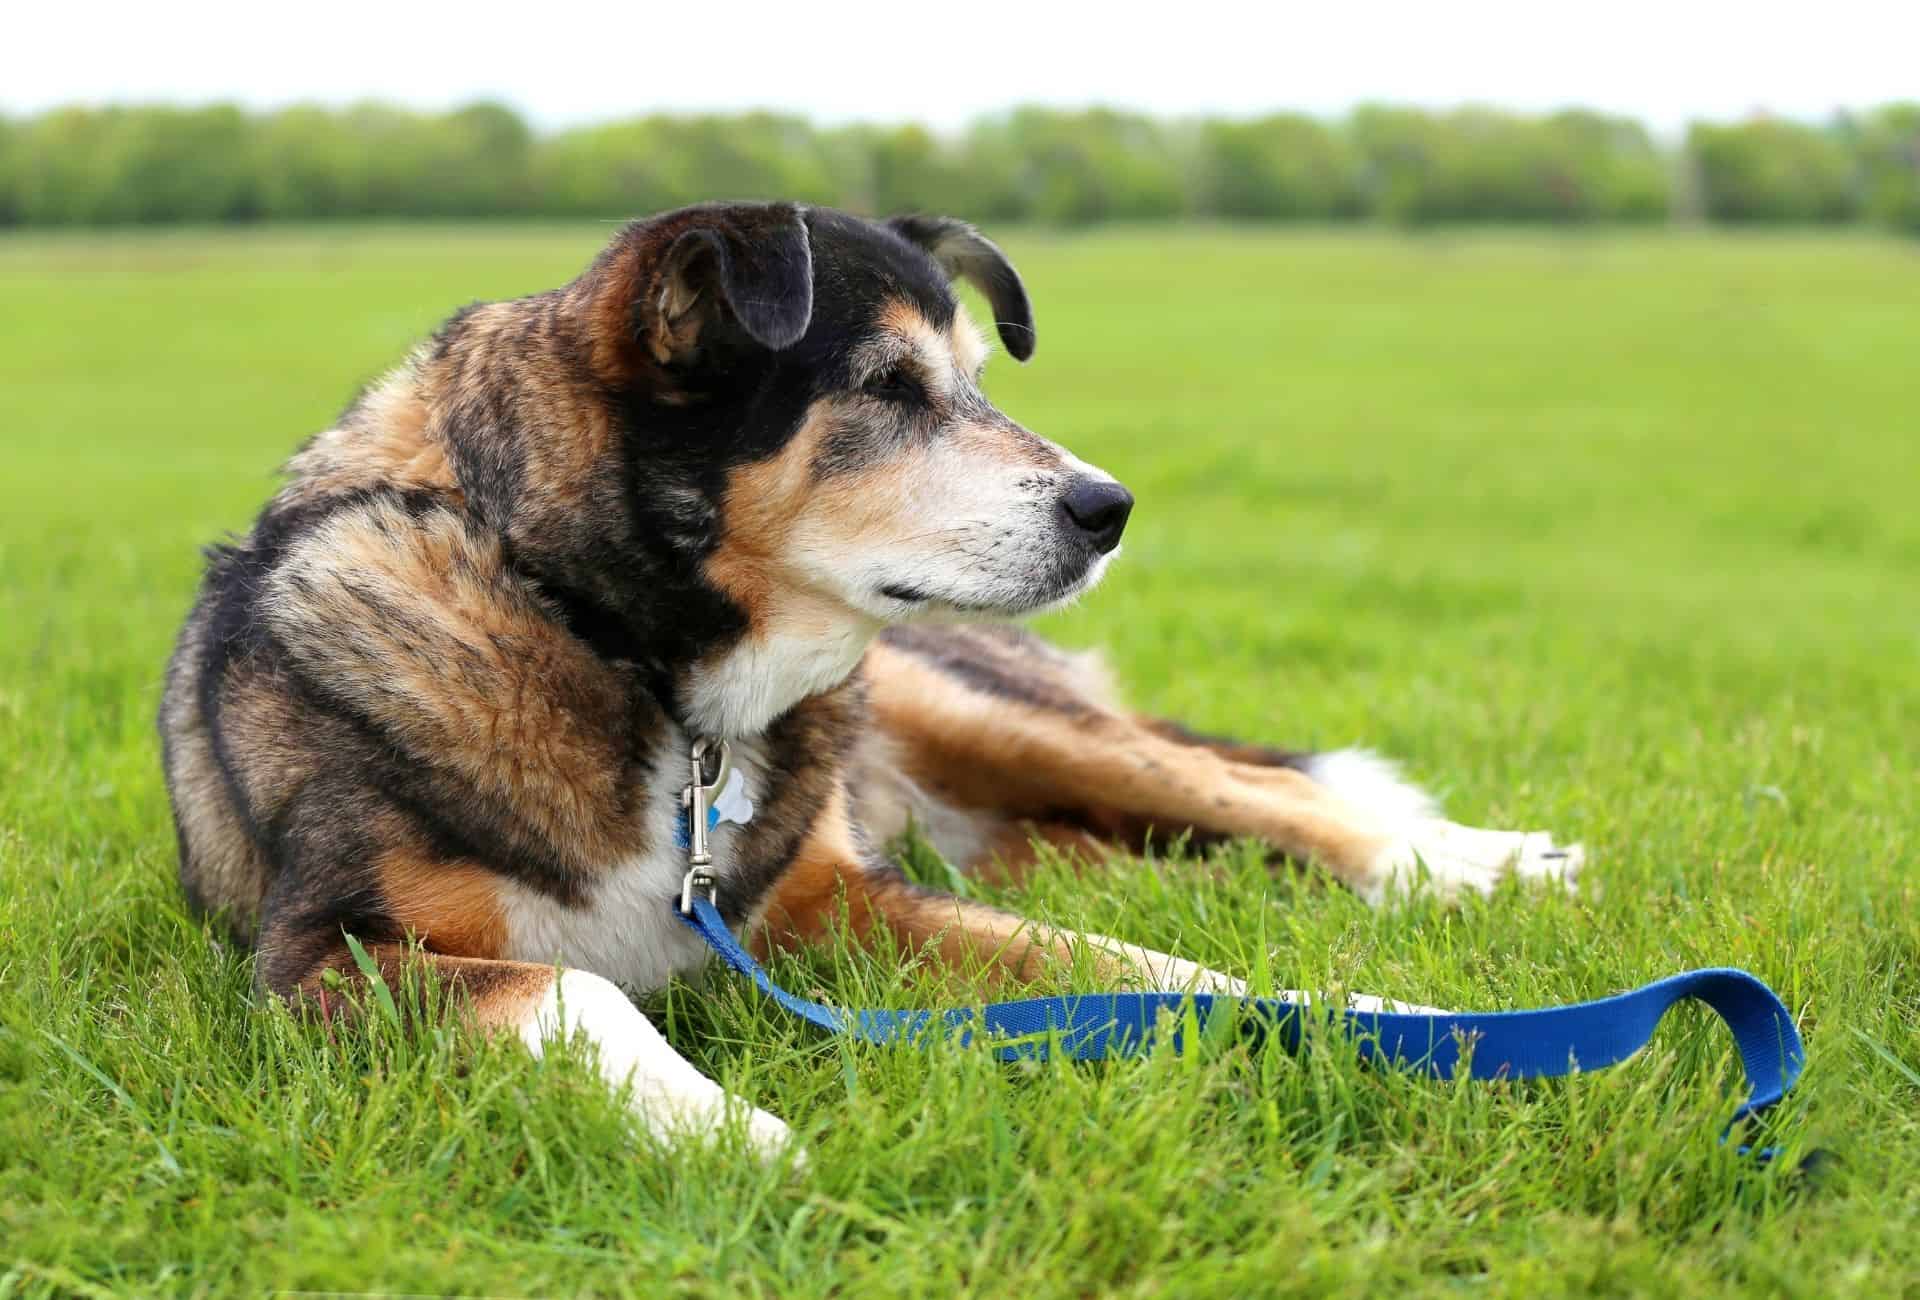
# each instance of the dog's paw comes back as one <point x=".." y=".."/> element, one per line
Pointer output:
<point x="716" y="1120"/>
<point x="1457" y="860"/>
<point x="771" y="1141"/>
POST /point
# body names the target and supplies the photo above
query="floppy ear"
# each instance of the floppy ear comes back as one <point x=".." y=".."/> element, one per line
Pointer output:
<point x="737" y="273"/>
<point x="966" y="254"/>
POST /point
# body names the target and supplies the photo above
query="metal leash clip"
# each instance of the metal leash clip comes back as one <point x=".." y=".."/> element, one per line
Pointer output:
<point x="697" y="798"/>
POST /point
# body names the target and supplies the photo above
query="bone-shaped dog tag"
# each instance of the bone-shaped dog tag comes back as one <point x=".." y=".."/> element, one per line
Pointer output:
<point x="732" y="804"/>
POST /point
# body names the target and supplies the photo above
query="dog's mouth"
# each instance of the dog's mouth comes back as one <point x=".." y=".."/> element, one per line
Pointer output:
<point x="916" y="600"/>
<point x="904" y="594"/>
<point x="1055" y="590"/>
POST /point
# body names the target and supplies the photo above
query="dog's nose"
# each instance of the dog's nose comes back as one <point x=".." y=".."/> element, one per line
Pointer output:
<point x="1099" y="508"/>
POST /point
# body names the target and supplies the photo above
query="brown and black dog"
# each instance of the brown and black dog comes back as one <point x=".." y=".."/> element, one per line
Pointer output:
<point x="738" y="481"/>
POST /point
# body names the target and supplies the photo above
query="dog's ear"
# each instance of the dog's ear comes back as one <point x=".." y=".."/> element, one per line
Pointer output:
<point x="966" y="254"/>
<point x="682" y="284"/>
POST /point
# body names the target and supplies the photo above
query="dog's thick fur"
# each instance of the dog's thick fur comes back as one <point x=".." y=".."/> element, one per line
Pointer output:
<point x="737" y="480"/>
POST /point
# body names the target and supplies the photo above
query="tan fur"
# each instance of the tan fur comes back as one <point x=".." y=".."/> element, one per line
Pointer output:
<point x="384" y="443"/>
<point x="507" y="700"/>
<point x="496" y="995"/>
<point x="911" y="337"/>
<point x="1015" y="848"/>
<point x="576" y="428"/>
<point x="764" y="504"/>
<point x="969" y="345"/>
<point x="983" y="945"/>
<point x="679" y="327"/>
<point x="453" y="907"/>
<point x="1003" y="443"/>
<point x="828" y="873"/>
<point x="618" y="350"/>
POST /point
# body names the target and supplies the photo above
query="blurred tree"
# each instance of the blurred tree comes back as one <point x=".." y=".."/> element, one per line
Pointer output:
<point x="1073" y="168"/>
<point x="10" y="144"/>
<point x="483" y="162"/>
<point x="1769" y="170"/>
<point x="1401" y="165"/>
<point x="1890" y="154"/>
<point x="185" y="165"/>
<point x="1287" y="167"/>
<point x="650" y="163"/>
<point x="311" y="166"/>
<point x="65" y="160"/>
<point x="890" y="170"/>
<point x="1610" y="163"/>
<point x="97" y="166"/>
<point x="1486" y="165"/>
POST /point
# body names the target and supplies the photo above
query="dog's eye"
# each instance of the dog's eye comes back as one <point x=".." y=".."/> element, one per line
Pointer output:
<point x="894" y="384"/>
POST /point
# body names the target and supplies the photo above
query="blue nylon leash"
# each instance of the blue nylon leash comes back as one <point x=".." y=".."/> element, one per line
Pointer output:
<point x="1545" y="1043"/>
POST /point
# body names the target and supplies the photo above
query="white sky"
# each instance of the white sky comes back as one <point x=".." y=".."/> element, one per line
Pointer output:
<point x="565" y="61"/>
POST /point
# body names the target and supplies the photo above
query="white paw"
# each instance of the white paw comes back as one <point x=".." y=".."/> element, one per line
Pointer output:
<point x="675" y="1120"/>
<point x="666" y="1095"/>
<point x="1457" y="860"/>
<point x="769" y="1138"/>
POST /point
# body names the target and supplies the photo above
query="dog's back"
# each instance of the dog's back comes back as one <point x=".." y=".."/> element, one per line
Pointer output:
<point x="237" y="730"/>
<point x="221" y="863"/>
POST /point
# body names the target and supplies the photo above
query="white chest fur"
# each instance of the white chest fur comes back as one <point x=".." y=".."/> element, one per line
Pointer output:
<point x="625" y="929"/>
<point x="771" y="671"/>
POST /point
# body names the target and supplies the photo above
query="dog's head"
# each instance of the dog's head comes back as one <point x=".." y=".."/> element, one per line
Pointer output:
<point x="750" y="435"/>
<point x="820" y="372"/>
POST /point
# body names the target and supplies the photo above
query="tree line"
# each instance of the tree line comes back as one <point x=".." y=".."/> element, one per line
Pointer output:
<point x="86" y="166"/>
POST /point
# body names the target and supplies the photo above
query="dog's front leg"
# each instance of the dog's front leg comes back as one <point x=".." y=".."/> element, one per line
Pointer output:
<point x="669" y="1095"/>
<point x="543" y="1005"/>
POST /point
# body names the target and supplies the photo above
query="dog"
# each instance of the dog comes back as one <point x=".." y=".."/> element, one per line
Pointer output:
<point x="736" y="485"/>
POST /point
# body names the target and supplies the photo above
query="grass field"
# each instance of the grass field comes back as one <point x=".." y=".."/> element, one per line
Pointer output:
<point x="1615" y="535"/>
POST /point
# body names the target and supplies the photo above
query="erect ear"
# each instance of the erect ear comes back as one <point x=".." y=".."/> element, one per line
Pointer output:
<point x="966" y="254"/>
<point x="742" y="272"/>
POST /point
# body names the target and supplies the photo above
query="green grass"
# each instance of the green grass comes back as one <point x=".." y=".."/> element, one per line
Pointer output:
<point x="1615" y="535"/>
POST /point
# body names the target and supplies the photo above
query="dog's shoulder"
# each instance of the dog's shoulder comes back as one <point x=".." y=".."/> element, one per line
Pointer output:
<point x="383" y="441"/>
